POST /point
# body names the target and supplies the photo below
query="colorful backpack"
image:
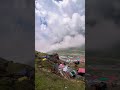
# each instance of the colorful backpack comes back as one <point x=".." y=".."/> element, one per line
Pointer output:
<point x="73" y="72"/>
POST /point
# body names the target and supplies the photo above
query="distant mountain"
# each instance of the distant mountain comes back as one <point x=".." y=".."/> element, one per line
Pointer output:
<point x="70" y="51"/>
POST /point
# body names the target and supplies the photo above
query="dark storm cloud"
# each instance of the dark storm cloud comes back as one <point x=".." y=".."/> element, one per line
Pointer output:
<point x="17" y="30"/>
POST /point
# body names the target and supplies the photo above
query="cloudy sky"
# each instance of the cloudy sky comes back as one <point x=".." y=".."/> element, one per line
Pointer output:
<point x="59" y="24"/>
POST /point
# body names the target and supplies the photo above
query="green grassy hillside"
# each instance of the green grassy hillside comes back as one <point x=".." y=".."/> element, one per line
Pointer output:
<point x="45" y="80"/>
<point x="50" y="81"/>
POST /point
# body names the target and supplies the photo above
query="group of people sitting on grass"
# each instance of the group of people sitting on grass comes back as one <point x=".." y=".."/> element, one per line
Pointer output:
<point x="61" y="68"/>
<point x="65" y="70"/>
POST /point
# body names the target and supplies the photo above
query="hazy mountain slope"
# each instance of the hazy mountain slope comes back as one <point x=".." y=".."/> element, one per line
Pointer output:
<point x="69" y="51"/>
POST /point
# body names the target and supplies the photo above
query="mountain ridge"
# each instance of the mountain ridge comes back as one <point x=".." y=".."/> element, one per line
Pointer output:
<point x="69" y="51"/>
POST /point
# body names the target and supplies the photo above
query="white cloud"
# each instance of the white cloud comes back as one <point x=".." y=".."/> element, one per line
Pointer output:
<point x="69" y="41"/>
<point x="65" y="24"/>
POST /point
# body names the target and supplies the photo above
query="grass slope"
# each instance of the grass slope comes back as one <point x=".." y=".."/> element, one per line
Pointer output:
<point x="50" y="81"/>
